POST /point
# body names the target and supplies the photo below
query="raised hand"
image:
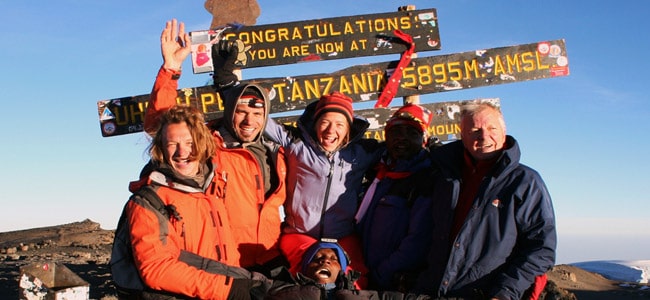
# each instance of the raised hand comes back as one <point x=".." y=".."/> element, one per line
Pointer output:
<point x="175" y="44"/>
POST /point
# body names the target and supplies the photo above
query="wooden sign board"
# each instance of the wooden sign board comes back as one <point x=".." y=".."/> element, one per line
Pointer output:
<point x="320" y="39"/>
<point x="425" y="75"/>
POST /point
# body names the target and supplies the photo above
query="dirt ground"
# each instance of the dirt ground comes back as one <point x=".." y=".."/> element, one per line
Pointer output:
<point x="84" y="248"/>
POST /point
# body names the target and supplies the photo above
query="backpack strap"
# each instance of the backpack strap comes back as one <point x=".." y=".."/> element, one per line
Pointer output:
<point x="148" y="193"/>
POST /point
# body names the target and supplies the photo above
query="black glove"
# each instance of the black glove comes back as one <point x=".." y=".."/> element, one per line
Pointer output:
<point x="240" y="289"/>
<point x="345" y="281"/>
<point x="224" y="56"/>
<point x="254" y="288"/>
<point x="261" y="285"/>
<point x="356" y="295"/>
<point x="394" y="295"/>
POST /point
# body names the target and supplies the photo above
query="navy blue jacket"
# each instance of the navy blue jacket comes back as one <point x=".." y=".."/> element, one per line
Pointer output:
<point x="507" y="239"/>
<point x="396" y="229"/>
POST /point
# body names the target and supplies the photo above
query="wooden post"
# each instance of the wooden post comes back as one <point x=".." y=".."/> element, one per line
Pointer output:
<point x="414" y="99"/>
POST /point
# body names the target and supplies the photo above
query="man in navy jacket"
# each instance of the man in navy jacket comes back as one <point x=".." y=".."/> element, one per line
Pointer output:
<point x="494" y="226"/>
<point x="394" y="217"/>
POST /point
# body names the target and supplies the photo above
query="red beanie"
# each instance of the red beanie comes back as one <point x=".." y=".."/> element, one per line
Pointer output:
<point x="335" y="102"/>
<point x="413" y="115"/>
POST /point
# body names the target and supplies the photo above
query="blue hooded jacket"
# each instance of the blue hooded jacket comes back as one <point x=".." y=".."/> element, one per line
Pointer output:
<point x="507" y="239"/>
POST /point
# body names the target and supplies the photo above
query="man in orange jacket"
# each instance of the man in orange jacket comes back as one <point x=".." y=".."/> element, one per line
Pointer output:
<point x="254" y="169"/>
<point x="187" y="251"/>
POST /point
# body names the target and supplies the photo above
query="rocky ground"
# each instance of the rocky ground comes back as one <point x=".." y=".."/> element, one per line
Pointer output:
<point x="84" y="248"/>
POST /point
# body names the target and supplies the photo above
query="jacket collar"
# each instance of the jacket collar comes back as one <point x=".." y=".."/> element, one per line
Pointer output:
<point x="164" y="175"/>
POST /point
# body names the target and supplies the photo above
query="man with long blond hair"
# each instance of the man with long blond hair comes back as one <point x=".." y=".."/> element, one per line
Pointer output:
<point x="187" y="252"/>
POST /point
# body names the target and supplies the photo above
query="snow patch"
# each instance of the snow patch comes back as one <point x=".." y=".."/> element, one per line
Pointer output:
<point x="621" y="270"/>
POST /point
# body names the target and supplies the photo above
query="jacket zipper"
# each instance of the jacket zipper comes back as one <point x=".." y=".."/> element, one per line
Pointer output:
<point x="183" y="235"/>
<point x="327" y="195"/>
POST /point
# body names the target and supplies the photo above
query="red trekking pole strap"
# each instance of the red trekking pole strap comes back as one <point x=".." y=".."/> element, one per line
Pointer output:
<point x="392" y="85"/>
<point x="538" y="287"/>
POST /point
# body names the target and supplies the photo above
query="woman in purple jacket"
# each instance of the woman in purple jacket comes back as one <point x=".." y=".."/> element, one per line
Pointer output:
<point x="326" y="161"/>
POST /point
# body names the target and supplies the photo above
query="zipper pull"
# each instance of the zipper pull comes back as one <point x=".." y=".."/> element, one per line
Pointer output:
<point x="224" y="176"/>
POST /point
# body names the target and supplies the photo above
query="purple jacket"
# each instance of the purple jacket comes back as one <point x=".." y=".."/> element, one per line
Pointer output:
<point x="313" y="179"/>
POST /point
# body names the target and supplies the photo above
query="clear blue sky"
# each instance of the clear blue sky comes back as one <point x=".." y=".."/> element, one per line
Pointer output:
<point x="583" y="133"/>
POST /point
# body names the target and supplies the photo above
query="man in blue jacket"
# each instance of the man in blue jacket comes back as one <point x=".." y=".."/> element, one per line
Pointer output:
<point x="494" y="225"/>
<point x="394" y="217"/>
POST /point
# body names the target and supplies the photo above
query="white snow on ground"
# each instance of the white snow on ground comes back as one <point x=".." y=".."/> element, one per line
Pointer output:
<point x="621" y="270"/>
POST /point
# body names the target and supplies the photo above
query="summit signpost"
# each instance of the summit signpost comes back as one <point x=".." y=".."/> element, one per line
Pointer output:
<point x="346" y="37"/>
<point x="424" y="75"/>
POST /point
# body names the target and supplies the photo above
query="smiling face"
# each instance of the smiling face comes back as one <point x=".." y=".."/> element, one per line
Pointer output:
<point x="324" y="267"/>
<point x="403" y="141"/>
<point x="332" y="129"/>
<point x="483" y="133"/>
<point x="248" y="122"/>
<point x="177" y="144"/>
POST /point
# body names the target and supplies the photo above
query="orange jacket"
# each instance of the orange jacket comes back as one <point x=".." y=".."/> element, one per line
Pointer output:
<point x="254" y="219"/>
<point x="202" y="229"/>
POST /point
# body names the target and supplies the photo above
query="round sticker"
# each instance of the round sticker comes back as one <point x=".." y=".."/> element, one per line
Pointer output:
<point x="543" y="48"/>
<point x="555" y="50"/>
<point x="109" y="128"/>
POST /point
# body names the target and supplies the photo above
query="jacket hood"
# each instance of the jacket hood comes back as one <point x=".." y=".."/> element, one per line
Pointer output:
<point x="230" y="97"/>
<point x="306" y="124"/>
